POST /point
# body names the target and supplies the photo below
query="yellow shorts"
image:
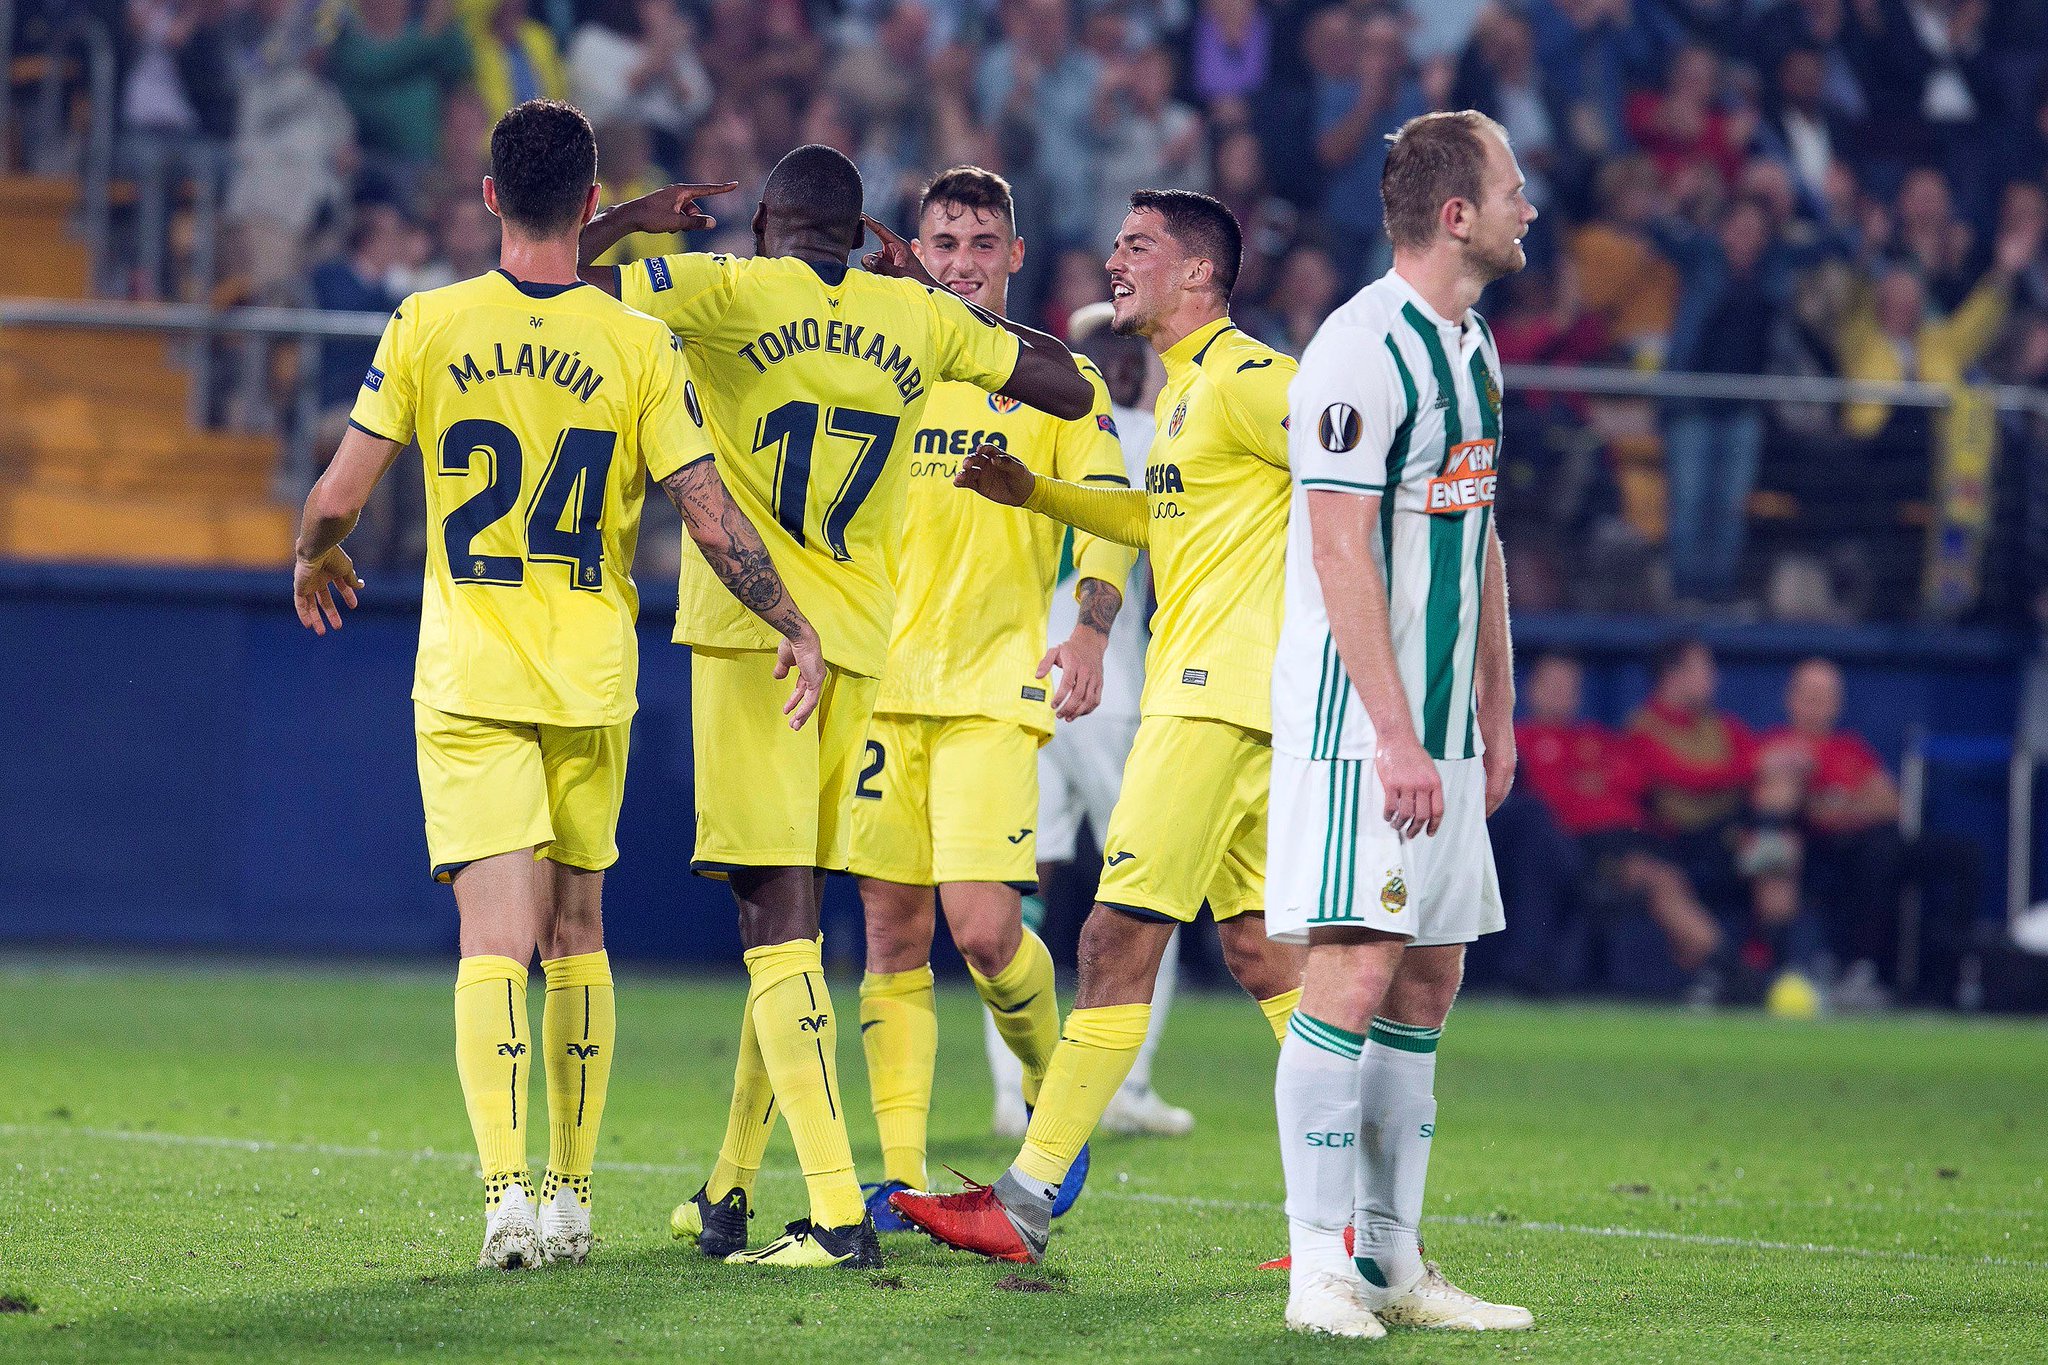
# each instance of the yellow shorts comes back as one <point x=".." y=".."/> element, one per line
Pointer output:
<point x="947" y="799"/>
<point x="1190" y="825"/>
<point x="492" y="786"/>
<point x="767" y="795"/>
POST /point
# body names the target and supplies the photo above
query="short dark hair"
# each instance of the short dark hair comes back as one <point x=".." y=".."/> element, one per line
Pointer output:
<point x="1670" y="655"/>
<point x="543" y="162"/>
<point x="815" y="189"/>
<point x="1431" y="159"/>
<point x="1203" y="225"/>
<point x="971" y="187"/>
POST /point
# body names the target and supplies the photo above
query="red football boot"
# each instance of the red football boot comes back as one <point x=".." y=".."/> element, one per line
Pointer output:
<point x="1287" y="1262"/>
<point x="973" y="1220"/>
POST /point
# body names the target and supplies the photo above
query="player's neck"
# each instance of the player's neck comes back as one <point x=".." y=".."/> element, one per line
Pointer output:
<point x="804" y="247"/>
<point x="1442" y="282"/>
<point x="543" y="261"/>
<point x="1195" y="312"/>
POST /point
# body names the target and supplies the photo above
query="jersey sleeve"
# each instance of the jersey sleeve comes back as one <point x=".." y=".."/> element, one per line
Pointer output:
<point x="387" y="405"/>
<point x="972" y="349"/>
<point x="1347" y="402"/>
<point x="1090" y="451"/>
<point x="671" y="433"/>
<point x="1255" y="395"/>
<point x="690" y="291"/>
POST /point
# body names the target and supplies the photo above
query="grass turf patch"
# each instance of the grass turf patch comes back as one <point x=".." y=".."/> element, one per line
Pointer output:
<point x="275" y="1164"/>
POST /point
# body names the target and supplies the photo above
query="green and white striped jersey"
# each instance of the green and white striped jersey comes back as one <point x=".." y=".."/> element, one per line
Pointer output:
<point x="1392" y="400"/>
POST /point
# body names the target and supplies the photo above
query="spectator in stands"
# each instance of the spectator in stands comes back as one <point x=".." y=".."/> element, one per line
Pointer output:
<point x="1042" y="88"/>
<point x="1627" y="282"/>
<point x="515" y="58"/>
<point x="1362" y="92"/>
<point x="465" y="241"/>
<point x="177" y="111"/>
<point x="1930" y="237"/>
<point x="1819" y="27"/>
<point x="1930" y="84"/>
<point x="1586" y="48"/>
<point x="636" y="62"/>
<point x="357" y="282"/>
<point x="395" y="72"/>
<point x="1499" y="74"/>
<point x="1889" y="334"/>
<point x="1682" y="127"/>
<point x="1800" y="129"/>
<point x="1306" y="287"/>
<point x="1232" y="46"/>
<point x="1734" y="284"/>
<point x="629" y="171"/>
<point x="1590" y="780"/>
<point x="1270" y="222"/>
<point x="1143" y="137"/>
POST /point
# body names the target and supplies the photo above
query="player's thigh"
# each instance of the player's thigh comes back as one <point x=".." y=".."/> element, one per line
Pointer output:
<point x="1239" y="887"/>
<point x="1454" y="882"/>
<point x="1333" y="860"/>
<point x="1060" y="806"/>
<point x="844" y="713"/>
<point x="1180" y="810"/>
<point x="483" y="786"/>
<point x="586" y="776"/>
<point x="757" y="781"/>
<point x="984" y="805"/>
<point x="891" y="801"/>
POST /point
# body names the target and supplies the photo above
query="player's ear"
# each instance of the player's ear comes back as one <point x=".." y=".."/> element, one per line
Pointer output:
<point x="491" y="197"/>
<point x="1016" y="254"/>
<point x="760" y="223"/>
<point x="590" y="200"/>
<point x="1455" y="218"/>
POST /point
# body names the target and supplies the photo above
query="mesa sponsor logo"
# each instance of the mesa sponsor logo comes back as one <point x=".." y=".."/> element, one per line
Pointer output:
<point x="1467" y="481"/>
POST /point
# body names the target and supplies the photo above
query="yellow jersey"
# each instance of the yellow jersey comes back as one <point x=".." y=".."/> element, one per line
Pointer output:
<point x="1217" y="488"/>
<point x="815" y="376"/>
<point x="975" y="581"/>
<point x="540" y="410"/>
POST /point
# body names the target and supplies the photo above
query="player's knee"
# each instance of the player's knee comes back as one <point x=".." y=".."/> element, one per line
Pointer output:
<point x="1424" y="988"/>
<point x="1264" y="968"/>
<point x="1118" y="957"/>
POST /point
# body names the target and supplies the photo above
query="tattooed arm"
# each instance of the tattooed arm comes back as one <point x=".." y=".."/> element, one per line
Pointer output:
<point x="1079" y="656"/>
<point x="733" y="549"/>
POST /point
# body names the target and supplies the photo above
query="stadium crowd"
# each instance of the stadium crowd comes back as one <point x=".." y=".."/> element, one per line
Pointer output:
<point x="1836" y="187"/>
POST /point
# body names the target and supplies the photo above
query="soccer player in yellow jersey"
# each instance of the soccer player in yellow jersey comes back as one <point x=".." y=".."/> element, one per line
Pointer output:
<point x="815" y="378"/>
<point x="1190" y="824"/>
<point x="542" y="408"/>
<point x="948" y="796"/>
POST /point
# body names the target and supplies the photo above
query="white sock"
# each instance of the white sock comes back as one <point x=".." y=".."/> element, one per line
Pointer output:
<point x="1397" y="1120"/>
<point x="1316" y="1092"/>
<point x="1140" y="1079"/>
<point x="1003" y="1067"/>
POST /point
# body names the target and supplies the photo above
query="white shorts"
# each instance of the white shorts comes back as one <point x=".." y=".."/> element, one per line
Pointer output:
<point x="1332" y="858"/>
<point x="1080" y="773"/>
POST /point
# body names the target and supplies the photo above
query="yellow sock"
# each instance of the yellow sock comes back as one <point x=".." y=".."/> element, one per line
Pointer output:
<point x="1020" y="999"/>
<point x="750" y="1122"/>
<point x="579" y="1026"/>
<point x="899" y="1031"/>
<point x="490" y="1045"/>
<point x="1278" y="1009"/>
<point x="798" y="1037"/>
<point x="1094" y="1056"/>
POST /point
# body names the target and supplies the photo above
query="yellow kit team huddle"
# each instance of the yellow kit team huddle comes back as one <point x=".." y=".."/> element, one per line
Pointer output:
<point x="868" y="687"/>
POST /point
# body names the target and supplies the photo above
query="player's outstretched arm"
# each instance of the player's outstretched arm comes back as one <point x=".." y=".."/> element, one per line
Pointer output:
<point x="1079" y="656"/>
<point x="669" y="210"/>
<point x="1047" y="376"/>
<point x="1355" y="595"/>
<point x="320" y="567"/>
<point x="733" y="549"/>
<point x="1118" y="514"/>
<point x="1495" y="675"/>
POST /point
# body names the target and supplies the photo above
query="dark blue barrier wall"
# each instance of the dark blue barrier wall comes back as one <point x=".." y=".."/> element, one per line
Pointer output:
<point x="182" y="764"/>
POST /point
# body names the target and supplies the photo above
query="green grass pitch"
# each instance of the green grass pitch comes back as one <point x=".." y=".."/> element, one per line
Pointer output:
<point x="273" y="1164"/>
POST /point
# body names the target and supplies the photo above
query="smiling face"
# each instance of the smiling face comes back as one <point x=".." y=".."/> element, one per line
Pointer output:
<point x="1148" y="273"/>
<point x="972" y="251"/>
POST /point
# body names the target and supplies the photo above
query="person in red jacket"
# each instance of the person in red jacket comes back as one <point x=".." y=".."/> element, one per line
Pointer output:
<point x="1593" y="783"/>
<point x="1728" y="813"/>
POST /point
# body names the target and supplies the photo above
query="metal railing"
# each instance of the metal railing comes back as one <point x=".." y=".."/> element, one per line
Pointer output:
<point x="48" y="149"/>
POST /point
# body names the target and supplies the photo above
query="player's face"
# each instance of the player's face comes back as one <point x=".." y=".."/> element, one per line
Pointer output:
<point x="973" y="252"/>
<point x="1502" y="216"/>
<point x="1147" y="272"/>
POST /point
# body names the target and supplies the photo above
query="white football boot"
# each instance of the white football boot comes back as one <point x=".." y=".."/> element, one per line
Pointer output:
<point x="511" y="1233"/>
<point x="1435" y="1302"/>
<point x="1331" y="1304"/>
<point x="565" y="1218"/>
<point x="1143" y="1112"/>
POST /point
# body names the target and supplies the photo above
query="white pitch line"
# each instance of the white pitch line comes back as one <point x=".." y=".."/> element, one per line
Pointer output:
<point x="1699" y="1239"/>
